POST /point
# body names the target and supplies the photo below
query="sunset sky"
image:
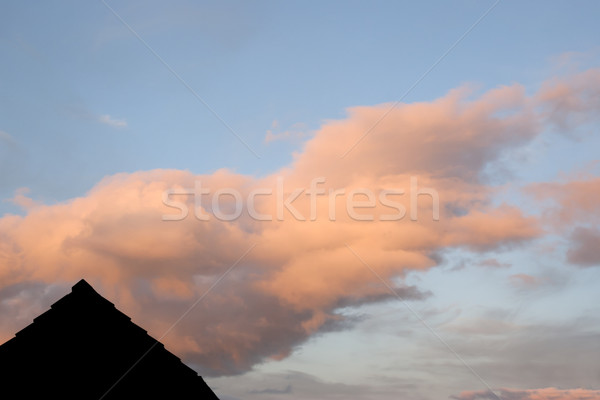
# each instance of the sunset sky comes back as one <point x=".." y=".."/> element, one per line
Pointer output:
<point x="108" y="108"/>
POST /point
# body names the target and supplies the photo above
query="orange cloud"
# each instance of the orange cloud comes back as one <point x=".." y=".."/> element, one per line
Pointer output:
<point x="574" y="201"/>
<point x="571" y="102"/>
<point x="532" y="394"/>
<point x="299" y="272"/>
<point x="573" y="207"/>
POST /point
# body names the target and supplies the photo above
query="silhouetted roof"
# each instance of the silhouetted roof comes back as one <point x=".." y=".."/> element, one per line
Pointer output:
<point x="84" y="348"/>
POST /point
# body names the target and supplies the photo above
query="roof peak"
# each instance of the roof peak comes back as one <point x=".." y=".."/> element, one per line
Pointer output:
<point x="83" y="286"/>
<point x="86" y="342"/>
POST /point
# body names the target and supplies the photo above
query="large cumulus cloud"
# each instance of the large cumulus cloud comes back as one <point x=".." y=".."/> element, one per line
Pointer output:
<point x="291" y="274"/>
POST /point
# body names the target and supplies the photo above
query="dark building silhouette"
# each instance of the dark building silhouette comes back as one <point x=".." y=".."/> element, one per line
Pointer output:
<point x="84" y="348"/>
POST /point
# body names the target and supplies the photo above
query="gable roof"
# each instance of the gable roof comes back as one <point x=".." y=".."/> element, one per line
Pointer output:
<point x="84" y="348"/>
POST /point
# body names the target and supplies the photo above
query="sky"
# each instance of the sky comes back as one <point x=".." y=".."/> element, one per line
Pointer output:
<point x="361" y="200"/>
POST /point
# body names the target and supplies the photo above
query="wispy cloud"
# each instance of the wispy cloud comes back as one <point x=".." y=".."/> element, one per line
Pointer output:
<point x="533" y="394"/>
<point x="20" y="199"/>
<point x="296" y="131"/>
<point x="573" y="207"/>
<point x="286" y="390"/>
<point x="5" y="137"/>
<point x="110" y="121"/>
<point x="82" y="112"/>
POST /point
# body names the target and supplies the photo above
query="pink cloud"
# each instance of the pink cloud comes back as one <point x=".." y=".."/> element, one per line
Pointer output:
<point x="574" y="200"/>
<point x="524" y="281"/>
<point x="573" y="208"/>
<point x="572" y="101"/>
<point x="297" y="273"/>
<point x="531" y="394"/>
<point x="585" y="244"/>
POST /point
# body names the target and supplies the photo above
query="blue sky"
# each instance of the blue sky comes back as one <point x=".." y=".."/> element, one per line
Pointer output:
<point x="254" y="88"/>
<point x="70" y="63"/>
